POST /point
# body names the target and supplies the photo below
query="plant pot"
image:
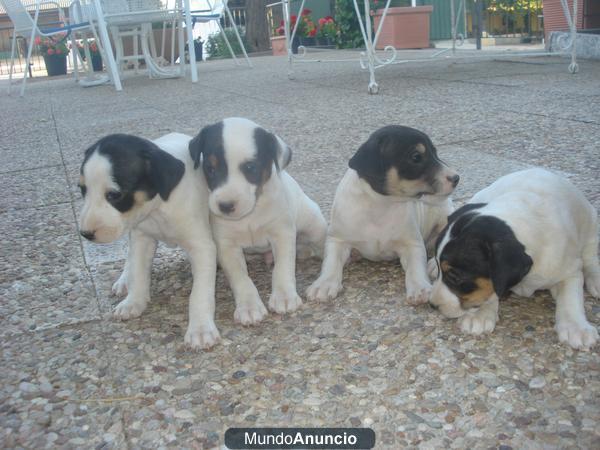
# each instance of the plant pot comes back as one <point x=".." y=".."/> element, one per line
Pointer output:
<point x="278" y="46"/>
<point x="56" y="65"/>
<point x="308" y="41"/>
<point x="97" y="62"/>
<point x="295" y="45"/>
<point x="404" y="27"/>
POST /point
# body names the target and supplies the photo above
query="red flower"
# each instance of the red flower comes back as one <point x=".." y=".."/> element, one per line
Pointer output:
<point x="329" y="19"/>
<point x="322" y="21"/>
<point x="280" y="31"/>
<point x="38" y="40"/>
<point x="312" y="32"/>
<point x="306" y="12"/>
<point x="282" y="23"/>
<point x="50" y="51"/>
<point x="57" y="51"/>
<point x="293" y="19"/>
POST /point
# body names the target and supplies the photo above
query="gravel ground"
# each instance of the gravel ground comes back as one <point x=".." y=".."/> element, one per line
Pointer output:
<point x="71" y="377"/>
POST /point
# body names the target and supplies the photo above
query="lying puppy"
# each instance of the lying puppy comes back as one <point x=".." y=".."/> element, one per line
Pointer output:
<point x="256" y="206"/>
<point x="150" y="191"/>
<point x="390" y="203"/>
<point x="529" y="230"/>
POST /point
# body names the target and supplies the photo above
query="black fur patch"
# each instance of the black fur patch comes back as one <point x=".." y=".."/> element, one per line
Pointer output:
<point x="453" y="217"/>
<point x="395" y="146"/>
<point x="483" y="247"/>
<point x="207" y="148"/>
<point x="267" y="147"/>
<point x="138" y="165"/>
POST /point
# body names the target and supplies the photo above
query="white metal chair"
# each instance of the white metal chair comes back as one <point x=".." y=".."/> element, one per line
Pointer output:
<point x="217" y="9"/>
<point x="26" y="26"/>
<point x="134" y="18"/>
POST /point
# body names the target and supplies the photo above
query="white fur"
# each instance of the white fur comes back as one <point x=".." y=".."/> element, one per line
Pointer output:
<point x="282" y="219"/>
<point x="559" y="230"/>
<point x="181" y="220"/>
<point x="381" y="228"/>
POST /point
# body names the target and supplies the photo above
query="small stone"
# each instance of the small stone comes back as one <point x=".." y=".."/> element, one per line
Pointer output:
<point x="537" y="383"/>
<point x="238" y="375"/>
<point x="337" y="389"/>
<point x="355" y="421"/>
<point x="184" y="414"/>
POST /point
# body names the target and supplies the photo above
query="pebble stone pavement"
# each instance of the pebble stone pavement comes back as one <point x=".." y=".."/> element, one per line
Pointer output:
<point x="72" y="377"/>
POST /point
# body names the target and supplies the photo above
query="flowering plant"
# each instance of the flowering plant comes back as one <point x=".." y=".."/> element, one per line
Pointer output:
<point x="327" y="28"/>
<point x="53" y="45"/>
<point x="306" y="26"/>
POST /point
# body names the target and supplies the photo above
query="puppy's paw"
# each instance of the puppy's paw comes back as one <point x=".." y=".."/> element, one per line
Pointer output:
<point x="119" y="288"/>
<point x="579" y="336"/>
<point x="202" y="337"/>
<point x="479" y="322"/>
<point x="282" y="302"/>
<point x="250" y="314"/>
<point x="268" y="258"/>
<point x="129" y="309"/>
<point x="592" y="284"/>
<point x="323" y="289"/>
<point x="432" y="269"/>
<point x="418" y="296"/>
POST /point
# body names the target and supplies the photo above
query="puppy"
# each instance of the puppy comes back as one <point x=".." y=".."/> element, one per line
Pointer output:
<point x="256" y="207"/>
<point x="393" y="200"/>
<point x="150" y="191"/>
<point x="529" y="230"/>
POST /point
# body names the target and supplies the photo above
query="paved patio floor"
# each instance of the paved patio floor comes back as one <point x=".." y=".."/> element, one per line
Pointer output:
<point x="72" y="377"/>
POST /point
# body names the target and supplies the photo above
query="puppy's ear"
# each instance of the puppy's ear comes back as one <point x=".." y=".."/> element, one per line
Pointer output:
<point x="197" y="145"/>
<point x="164" y="170"/>
<point x="367" y="161"/>
<point x="508" y="263"/>
<point x="284" y="154"/>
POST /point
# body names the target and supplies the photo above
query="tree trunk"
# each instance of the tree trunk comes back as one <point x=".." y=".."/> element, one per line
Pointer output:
<point x="257" y="30"/>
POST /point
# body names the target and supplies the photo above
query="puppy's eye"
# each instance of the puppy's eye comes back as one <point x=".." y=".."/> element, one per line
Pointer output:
<point x="113" y="196"/>
<point x="249" y="167"/>
<point x="416" y="157"/>
<point x="83" y="190"/>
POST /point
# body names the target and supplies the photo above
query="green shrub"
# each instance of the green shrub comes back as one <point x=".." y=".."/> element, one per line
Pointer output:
<point x="216" y="47"/>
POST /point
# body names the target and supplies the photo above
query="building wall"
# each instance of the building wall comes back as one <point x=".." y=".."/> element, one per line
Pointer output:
<point x="554" y="17"/>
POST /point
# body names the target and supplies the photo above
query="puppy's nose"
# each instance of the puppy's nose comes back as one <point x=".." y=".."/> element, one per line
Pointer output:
<point x="453" y="179"/>
<point x="89" y="235"/>
<point x="431" y="305"/>
<point x="227" y="207"/>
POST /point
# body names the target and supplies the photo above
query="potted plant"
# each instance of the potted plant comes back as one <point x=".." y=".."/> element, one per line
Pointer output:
<point x="307" y="30"/>
<point x="94" y="53"/>
<point x="327" y="32"/>
<point x="54" y="50"/>
<point x="405" y="26"/>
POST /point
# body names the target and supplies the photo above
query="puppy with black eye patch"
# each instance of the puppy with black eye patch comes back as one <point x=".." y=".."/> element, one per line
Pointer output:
<point x="391" y="203"/>
<point x="150" y="191"/>
<point x="528" y="230"/>
<point x="256" y="206"/>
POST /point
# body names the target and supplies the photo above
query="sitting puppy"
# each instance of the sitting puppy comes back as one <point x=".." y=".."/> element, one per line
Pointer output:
<point x="256" y="206"/>
<point x="392" y="200"/>
<point x="150" y="191"/>
<point x="529" y="230"/>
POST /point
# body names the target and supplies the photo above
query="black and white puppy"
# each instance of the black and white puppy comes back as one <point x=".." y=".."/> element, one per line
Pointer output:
<point x="529" y="230"/>
<point x="151" y="191"/>
<point x="392" y="201"/>
<point x="256" y="206"/>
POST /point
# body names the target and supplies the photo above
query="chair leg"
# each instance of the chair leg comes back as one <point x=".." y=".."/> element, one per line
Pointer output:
<point x="237" y="34"/>
<point x="190" y="39"/>
<point x="181" y="42"/>
<point x="74" y="55"/>
<point x="111" y="64"/>
<point x="29" y="50"/>
<point x="12" y="59"/>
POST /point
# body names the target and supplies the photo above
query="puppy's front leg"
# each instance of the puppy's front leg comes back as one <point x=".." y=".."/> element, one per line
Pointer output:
<point x="138" y="266"/>
<point x="329" y="283"/>
<point x="413" y="258"/>
<point x="571" y="324"/>
<point x="284" y="297"/>
<point x="482" y="320"/>
<point x="202" y="331"/>
<point x="249" y="308"/>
